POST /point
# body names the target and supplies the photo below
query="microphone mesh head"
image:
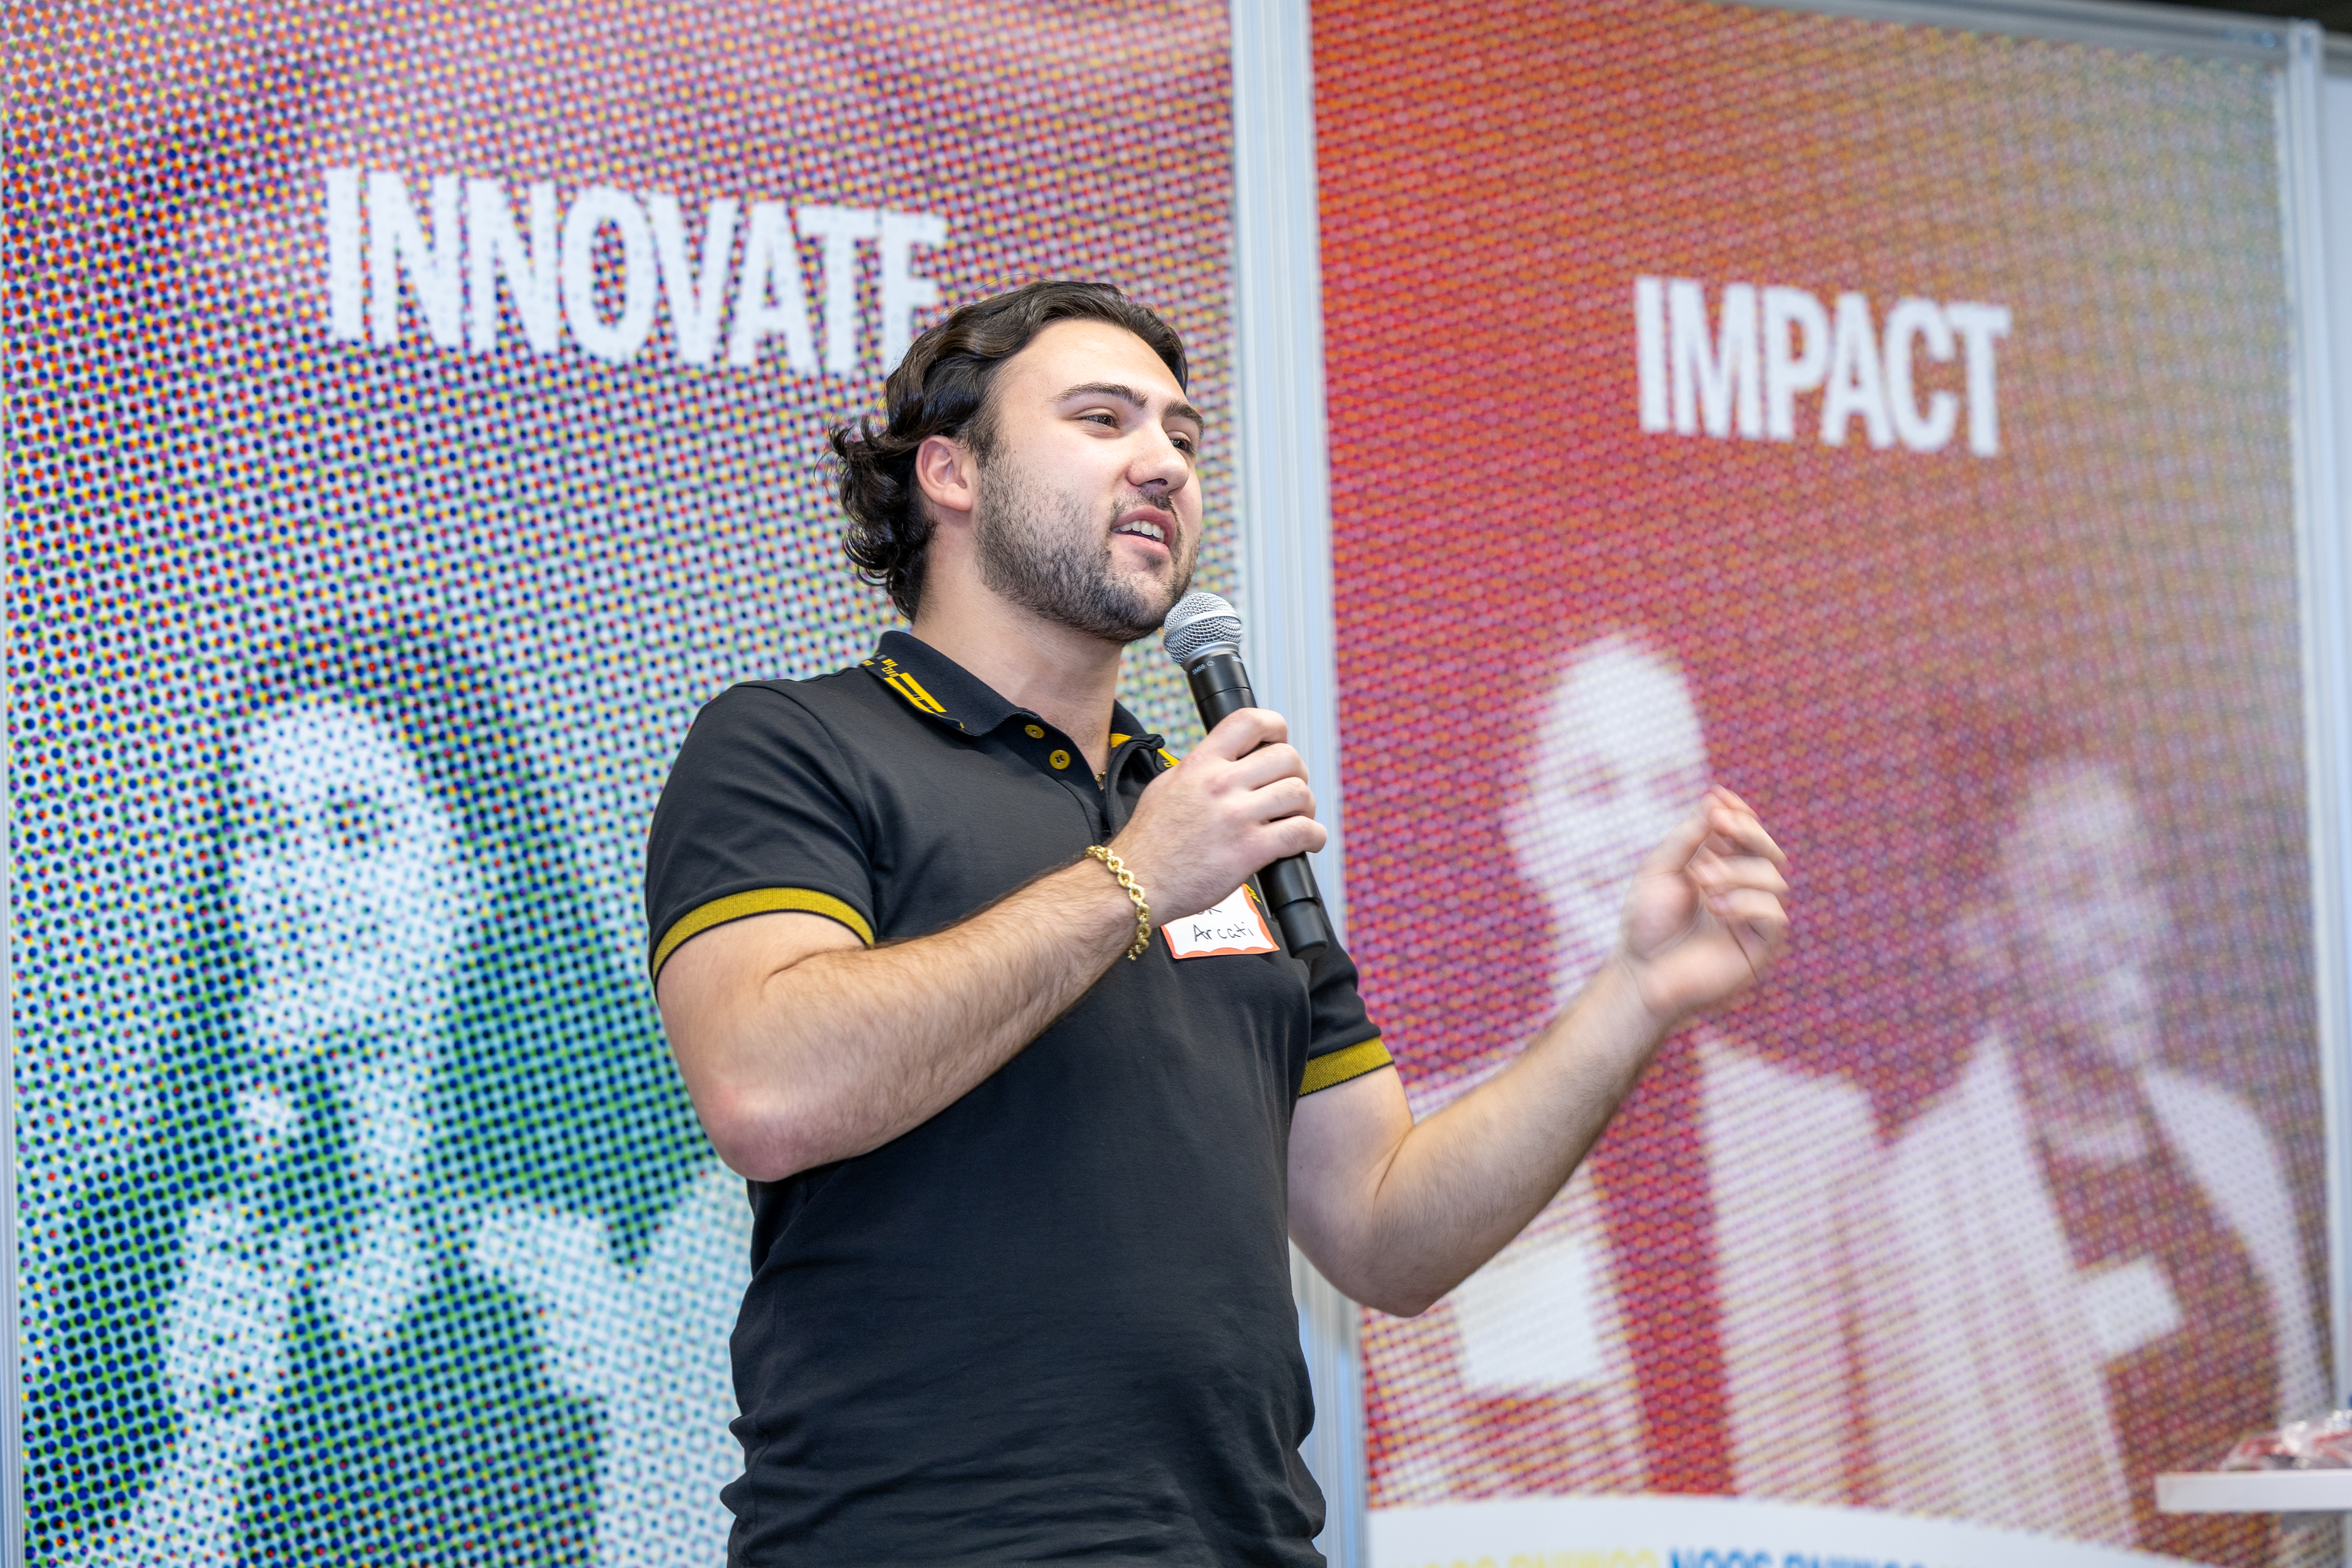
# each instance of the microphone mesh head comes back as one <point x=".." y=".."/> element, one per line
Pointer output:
<point x="1201" y="623"/>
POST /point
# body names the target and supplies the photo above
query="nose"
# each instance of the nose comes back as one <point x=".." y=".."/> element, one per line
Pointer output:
<point x="1161" y="466"/>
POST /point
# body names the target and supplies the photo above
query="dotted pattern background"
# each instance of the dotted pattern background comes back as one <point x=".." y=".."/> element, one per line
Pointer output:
<point x="554" y="557"/>
<point x="1860" y="629"/>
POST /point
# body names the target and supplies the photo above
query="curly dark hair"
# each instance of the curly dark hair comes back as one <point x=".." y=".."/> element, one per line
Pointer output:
<point x="940" y="388"/>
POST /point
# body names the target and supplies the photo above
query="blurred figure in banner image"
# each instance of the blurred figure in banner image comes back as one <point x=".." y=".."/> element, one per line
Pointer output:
<point x="1673" y="1320"/>
<point x="424" y="1211"/>
<point x="2099" y="1266"/>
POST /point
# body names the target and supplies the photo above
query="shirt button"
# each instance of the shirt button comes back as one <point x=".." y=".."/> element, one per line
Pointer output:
<point x="1035" y="733"/>
<point x="1059" y="759"/>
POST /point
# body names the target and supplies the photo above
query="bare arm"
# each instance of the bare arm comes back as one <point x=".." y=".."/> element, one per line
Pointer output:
<point x="1397" y="1214"/>
<point x="800" y="1047"/>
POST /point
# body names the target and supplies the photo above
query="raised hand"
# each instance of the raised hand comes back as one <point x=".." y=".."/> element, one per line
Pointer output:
<point x="1238" y="802"/>
<point x="1707" y="914"/>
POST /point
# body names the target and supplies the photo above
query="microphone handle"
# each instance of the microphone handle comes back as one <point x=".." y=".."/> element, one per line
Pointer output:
<point x="1221" y="687"/>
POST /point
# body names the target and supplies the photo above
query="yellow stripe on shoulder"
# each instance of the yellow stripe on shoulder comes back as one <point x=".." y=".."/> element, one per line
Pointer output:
<point x="1340" y="1065"/>
<point x="757" y="901"/>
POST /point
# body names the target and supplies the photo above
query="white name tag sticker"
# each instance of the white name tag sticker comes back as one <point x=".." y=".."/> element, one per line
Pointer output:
<point x="1233" y="926"/>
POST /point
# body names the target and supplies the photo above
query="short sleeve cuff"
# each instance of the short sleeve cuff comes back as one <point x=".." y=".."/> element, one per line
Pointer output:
<point x="757" y="901"/>
<point x="1347" y="1062"/>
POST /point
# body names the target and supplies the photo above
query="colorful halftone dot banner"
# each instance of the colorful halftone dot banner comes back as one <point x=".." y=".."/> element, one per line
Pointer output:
<point x="416" y="414"/>
<point x="1893" y="425"/>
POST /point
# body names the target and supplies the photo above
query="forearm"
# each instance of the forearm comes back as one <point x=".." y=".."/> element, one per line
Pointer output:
<point x="1397" y="1214"/>
<point x="1456" y="1188"/>
<point x="841" y="1051"/>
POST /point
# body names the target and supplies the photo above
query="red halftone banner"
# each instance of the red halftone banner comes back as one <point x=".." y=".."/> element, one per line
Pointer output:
<point x="1893" y="425"/>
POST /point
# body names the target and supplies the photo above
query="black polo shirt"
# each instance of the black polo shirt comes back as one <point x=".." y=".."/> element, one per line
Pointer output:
<point x="1054" y="1322"/>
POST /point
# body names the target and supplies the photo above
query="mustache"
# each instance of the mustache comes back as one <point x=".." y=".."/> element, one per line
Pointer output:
<point x="1158" y="500"/>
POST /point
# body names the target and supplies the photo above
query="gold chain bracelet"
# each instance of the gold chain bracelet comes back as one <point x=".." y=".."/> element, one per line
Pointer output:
<point x="1134" y="896"/>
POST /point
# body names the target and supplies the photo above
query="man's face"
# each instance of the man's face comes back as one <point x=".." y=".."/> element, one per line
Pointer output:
<point x="2085" y="920"/>
<point x="1089" y="505"/>
<point x="1618" y="762"/>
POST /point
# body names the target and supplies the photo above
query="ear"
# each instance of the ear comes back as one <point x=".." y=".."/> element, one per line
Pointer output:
<point x="949" y="476"/>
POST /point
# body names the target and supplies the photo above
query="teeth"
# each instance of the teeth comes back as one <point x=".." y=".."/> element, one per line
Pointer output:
<point x="1146" y="530"/>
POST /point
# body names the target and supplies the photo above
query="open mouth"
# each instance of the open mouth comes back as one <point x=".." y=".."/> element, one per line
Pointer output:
<point x="1147" y="526"/>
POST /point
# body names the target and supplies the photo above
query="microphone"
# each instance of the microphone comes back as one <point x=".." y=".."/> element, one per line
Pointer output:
<point x="1203" y="636"/>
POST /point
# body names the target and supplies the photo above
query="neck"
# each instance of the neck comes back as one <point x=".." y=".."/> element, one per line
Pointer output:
<point x="1068" y="678"/>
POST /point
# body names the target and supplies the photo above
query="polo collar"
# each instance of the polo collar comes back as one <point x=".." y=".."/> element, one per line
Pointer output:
<point x="936" y="686"/>
<point x="945" y="692"/>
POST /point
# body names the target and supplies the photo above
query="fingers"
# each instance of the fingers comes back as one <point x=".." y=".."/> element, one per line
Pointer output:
<point x="1242" y="733"/>
<point x="1759" y="911"/>
<point x="1729" y="834"/>
<point x="1674" y="853"/>
<point x="1239" y="801"/>
<point x="1729" y="818"/>
<point x="1715" y="873"/>
<point x="1734" y="865"/>
<point x="1294" y="834"/>
<point x="1283" y="798"/>
<point x="1271" y="774"/>
<point x="1739" y="870"/>
<point x="1723" y="794"/>
<point x="1276" y="760"/>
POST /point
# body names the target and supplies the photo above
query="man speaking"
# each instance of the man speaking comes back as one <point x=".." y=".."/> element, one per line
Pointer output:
<point x="1020" y="1163"/>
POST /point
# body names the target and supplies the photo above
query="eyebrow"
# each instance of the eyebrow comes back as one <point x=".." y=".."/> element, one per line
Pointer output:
<point x="1133" y="399"/>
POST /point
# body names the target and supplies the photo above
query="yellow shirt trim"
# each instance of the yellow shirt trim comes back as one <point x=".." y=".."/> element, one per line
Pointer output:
<point x="1340" y="1065"/>
<point x="757" y="901"/>
<point x="914" y="689"/>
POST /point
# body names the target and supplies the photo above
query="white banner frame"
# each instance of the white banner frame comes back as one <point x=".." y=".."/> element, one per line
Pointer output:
<point x="1283" y="501"/>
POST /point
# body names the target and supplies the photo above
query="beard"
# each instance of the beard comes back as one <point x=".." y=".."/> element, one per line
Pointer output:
<point x="1038" y="548"/>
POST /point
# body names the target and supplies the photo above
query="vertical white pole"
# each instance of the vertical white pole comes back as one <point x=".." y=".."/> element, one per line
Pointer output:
<point x="1285" y="503"/>
<point x="1284" y="489"/>
<point x="2320" y="525"/>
